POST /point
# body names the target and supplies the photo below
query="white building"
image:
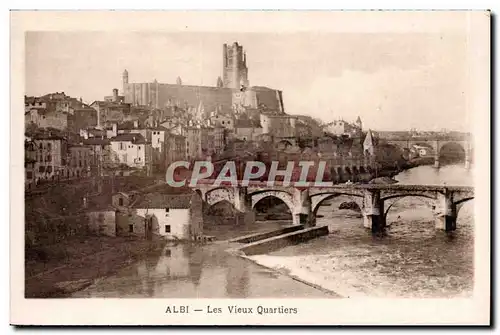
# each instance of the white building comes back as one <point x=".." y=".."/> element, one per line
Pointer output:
<point x="178" y="217"/>
<point x="131" y="149"/>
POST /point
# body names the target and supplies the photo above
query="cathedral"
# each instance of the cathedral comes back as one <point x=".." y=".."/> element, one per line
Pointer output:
<point x="231" y="93"/>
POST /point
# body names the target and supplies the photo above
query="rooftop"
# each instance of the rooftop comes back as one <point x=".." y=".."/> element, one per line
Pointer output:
<point x="158" y="200"/>
<point x="129" y="137"/>
<point x="96" y="141"/>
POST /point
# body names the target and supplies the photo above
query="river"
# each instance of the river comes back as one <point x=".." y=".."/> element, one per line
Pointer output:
<point x="412" y="260"/>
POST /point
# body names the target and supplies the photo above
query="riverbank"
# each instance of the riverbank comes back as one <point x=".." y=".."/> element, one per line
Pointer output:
<point x="58" y="270"/>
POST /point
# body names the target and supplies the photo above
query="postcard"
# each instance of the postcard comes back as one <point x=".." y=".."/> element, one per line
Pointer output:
<point x="250" y="168"/>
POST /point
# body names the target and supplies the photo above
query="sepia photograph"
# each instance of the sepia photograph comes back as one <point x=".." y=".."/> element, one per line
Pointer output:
<point x="257" y="167"/>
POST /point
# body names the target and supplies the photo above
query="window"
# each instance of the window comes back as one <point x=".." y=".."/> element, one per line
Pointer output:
<point x="29" y="175"/>
<point x="80" y="163"/>
<point x="168" y="252"/>
<point x="222" y="122"/>
<point x="120" y="202"/>
<point x="49" y="169"/>
<point x="49" y="146"/>
<point x="139" y="147"/>
<point x="167" y="228"/>
<point x="41" y="169"/>
<point x="228" y="122"/>
<point x="49" y="158"/>
<point x="130" y="228"/>
<point x="167" y="210"/>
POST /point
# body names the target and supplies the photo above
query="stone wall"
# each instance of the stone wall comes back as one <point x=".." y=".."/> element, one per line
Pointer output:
<point x="196" y="216"/>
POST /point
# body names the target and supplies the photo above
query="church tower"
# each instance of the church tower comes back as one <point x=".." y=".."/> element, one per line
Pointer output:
<point x="234" y="67"/>
<point x="359" y="124"/>
<point x="125" y="80"/>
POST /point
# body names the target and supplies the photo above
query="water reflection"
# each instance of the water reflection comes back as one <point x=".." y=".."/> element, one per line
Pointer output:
<point x="194" y="271"/>
<point x="456" y="175"/>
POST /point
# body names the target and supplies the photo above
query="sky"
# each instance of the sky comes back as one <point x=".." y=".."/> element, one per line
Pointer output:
<point x="393" y="81"/>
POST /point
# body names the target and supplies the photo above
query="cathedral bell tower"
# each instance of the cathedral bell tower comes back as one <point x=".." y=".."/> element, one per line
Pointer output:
<point x="234" y="67"/>
<point x="125" y="80"/>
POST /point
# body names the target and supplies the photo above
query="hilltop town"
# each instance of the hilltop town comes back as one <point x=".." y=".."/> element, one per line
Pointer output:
<point x="147" y="126"/>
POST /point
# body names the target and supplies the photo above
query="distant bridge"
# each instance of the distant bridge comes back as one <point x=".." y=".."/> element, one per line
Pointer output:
<point x="304" y="202"/>
<point x="435" y="141"/>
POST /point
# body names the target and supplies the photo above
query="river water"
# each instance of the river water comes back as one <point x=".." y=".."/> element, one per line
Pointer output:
<point x="412" y="260"/>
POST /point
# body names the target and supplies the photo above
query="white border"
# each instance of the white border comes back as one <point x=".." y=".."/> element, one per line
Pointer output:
<point x="437" y="314"/>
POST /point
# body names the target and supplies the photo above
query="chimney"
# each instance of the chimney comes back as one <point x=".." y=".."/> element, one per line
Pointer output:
<point x="115" y="94"/>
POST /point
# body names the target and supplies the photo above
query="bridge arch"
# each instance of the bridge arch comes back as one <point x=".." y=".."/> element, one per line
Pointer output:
<point x="340" y="174"/>
<point x="460" y="203"/>
<point x="334" y="175"/>
<point x="427" y="200"/>
<point x="348" y="172"/>
<point x="319" y="198"/>
<point x="286" y="197"/>
<point x="454" y="151"/>
<point x="355" y="173"/>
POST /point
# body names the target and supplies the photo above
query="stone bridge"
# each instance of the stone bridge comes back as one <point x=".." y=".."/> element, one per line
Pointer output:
<point x="373" y="200"/>
<point x="436" y="143"/>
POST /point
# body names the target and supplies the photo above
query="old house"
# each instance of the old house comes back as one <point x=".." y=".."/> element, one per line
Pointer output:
<point x="152" y="215"/>
<point x="47" y="118"/>
<point x="132" y="150"/>
<point x="59" y="111"/>
<point x="99" y="154"/>
<point x="174" y="217"/>
<point x="175" y="149"/>
<point x="29" y="163"/>
<point x="109" y="112"/>
<point x="159" y="146"/>
<point x="247" y="129"/>
<point x="51" y="157"/>
<point x="342" y="127"/>
<point x="81" y="161"/>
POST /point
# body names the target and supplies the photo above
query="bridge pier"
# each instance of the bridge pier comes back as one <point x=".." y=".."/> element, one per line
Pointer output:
<point x="373" y="211"/>
<point x="243" y="204"/>
<point x="467" y="159"/>
<point x="436" y="161"/>
<point x="446" y="215"/>
<point x="302" y="213"/>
